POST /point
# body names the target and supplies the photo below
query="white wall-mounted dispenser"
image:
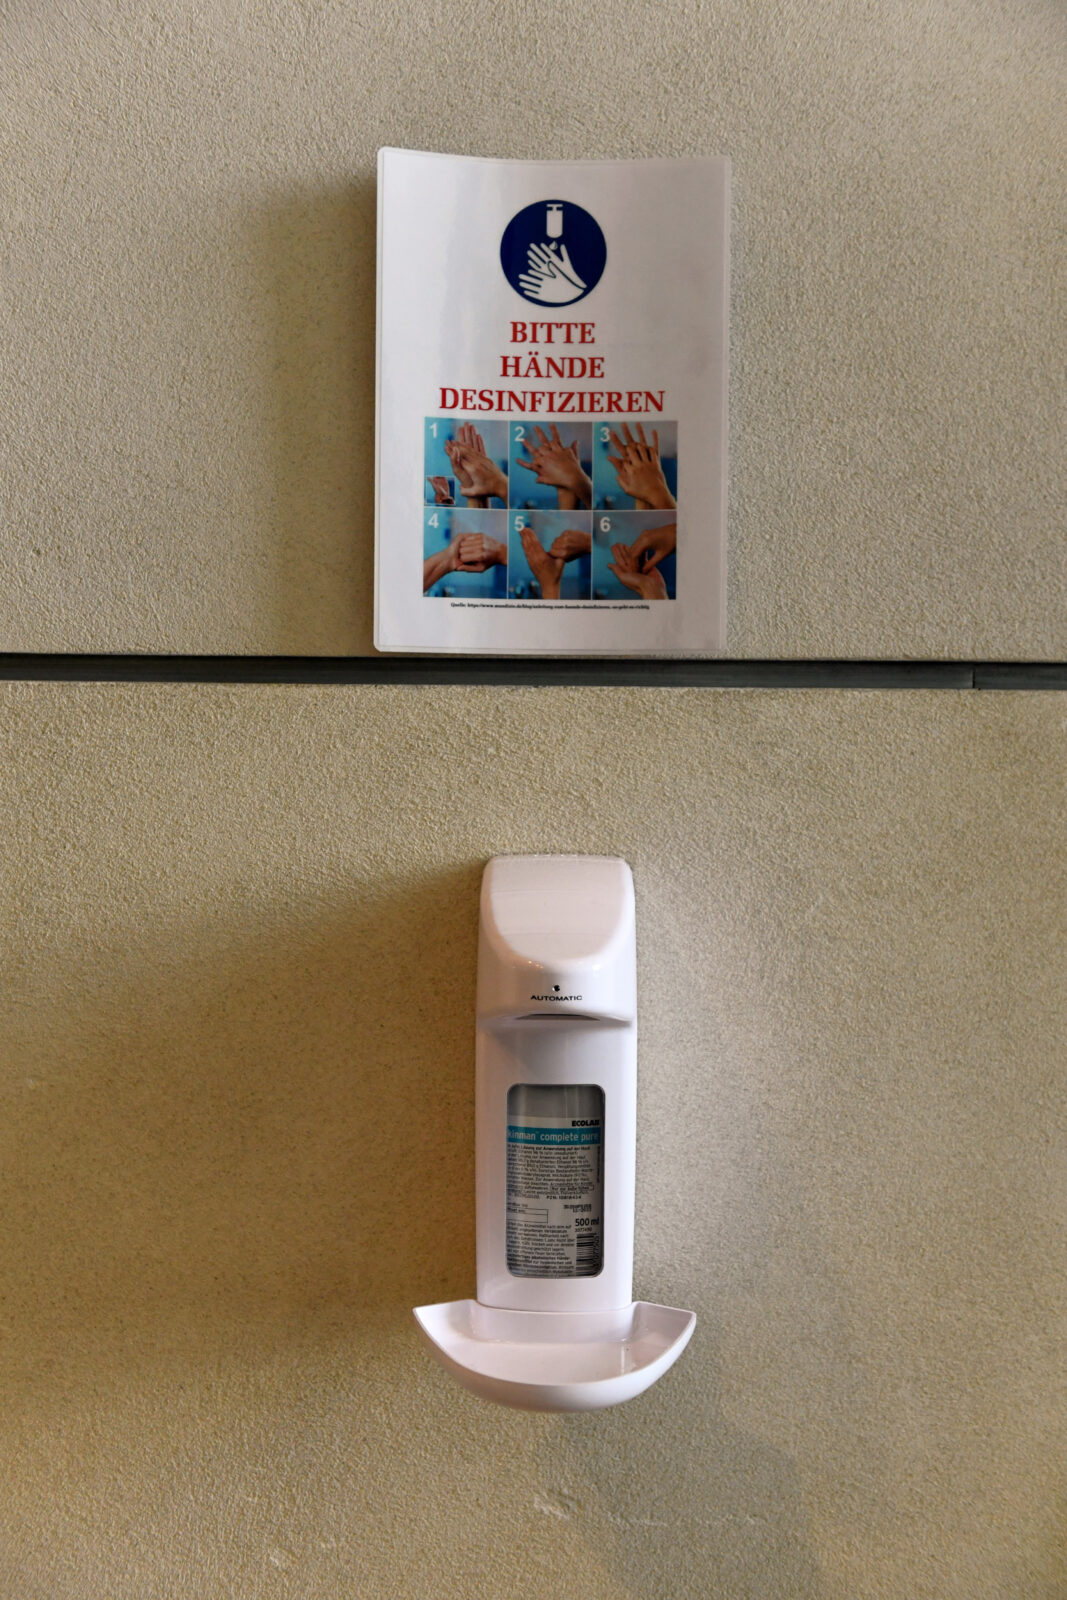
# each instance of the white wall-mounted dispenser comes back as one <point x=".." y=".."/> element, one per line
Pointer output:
<point x="554" y="1327"/>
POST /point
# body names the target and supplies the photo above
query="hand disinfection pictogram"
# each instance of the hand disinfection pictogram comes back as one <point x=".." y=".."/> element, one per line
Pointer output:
<point x="553" y="253"/>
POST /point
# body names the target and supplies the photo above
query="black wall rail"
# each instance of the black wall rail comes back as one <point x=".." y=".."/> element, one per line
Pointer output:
<point x="537" y="672"/>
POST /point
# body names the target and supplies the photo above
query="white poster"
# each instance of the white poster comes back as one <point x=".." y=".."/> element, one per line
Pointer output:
<point x="551" y="443"/>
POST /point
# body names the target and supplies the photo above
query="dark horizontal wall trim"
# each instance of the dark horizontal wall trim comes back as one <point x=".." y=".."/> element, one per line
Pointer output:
<point x="525" y="671"/>
<point x="1019" y="675"/>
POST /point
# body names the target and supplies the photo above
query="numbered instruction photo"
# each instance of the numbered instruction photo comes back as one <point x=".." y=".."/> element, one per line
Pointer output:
<point x="535" y="411"/>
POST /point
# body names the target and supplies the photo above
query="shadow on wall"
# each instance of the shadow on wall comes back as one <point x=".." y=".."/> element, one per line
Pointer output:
<point x="317" y="252"/>
<point x="271" y="1143"/>
<point x="678" y="1500"/>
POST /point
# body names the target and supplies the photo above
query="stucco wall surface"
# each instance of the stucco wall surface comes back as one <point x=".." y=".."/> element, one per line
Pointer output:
<point x="187" y="234"/>
<point x="236" y="1145"/>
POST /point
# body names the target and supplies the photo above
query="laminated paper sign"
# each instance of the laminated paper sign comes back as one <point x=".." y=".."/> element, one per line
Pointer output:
<point x="551" y="448"/>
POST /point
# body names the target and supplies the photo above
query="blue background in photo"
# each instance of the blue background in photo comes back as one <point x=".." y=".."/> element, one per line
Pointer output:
<point x="624" y="530"/>
<point x="436" y="464"/>
<point x="525" y="491"/>
<point x="436" y="535"/>
<point x="547" y="525"/>
<point x="606" y="484"/>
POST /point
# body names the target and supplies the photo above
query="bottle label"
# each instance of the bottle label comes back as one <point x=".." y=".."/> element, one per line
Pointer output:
<point x="555" y="1181"/>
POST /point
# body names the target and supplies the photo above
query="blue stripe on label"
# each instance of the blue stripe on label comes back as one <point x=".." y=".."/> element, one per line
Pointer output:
<point x="552" y="1135"/>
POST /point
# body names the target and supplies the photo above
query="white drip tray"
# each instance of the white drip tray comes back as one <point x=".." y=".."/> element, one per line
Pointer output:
<point x="555" y="1360"/>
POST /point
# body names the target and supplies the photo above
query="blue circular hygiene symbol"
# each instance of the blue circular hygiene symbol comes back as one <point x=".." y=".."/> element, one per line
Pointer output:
<point x="553" y="253"/>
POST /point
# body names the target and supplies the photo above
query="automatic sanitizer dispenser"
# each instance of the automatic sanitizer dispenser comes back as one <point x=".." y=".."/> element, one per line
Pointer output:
<point x="554" y="1327"/>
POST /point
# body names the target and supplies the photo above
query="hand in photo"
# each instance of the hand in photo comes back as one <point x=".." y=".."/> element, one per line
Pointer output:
<point x="647" y="582"/>
<point x="476" y="552"/>
<point x="654" y="545"/>
<point x="571" y="544"/>
<point x="557" y="464"/>
<point x="463" y="477"/>
<point x="450" y="559"/>
<point x="442" y="494"/>
<point x="479" y="474"/>
<point x="546" y="568"/>
<point x="639" y="469"/>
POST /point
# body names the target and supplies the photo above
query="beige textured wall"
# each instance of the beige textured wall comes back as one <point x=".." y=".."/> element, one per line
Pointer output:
<point x="236" y="1143"/>
<point x="187" y="231"/>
